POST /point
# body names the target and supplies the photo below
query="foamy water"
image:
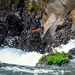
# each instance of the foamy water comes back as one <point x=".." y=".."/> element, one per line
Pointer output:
<point x="17" y="56"/>
<point x="14" y="62"/>
<point x="67" y="47"/>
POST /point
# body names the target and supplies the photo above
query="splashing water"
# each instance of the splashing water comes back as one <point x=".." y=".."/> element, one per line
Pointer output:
<point x="14" y="61"/>
<point x="17" y="56"/>
<point x="67" y="47"/>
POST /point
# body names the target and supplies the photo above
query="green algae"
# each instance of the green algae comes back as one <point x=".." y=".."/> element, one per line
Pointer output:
<point x="41" y="59"/>
<point x="55" y="59"/>
<point x="36" y="7"/>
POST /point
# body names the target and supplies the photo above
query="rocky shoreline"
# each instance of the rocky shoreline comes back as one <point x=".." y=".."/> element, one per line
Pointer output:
<point x="16" y="30"/>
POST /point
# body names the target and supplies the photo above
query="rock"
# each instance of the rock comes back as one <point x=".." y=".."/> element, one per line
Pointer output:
<point x="54" y="58"/>
<point x="4" y="3"/>
<point x="50" y="34"/>
<point x="43" y="21"/>
<point x="63" y="32"/>
<point x="72" y="51"/>
<point x="41" y="65"/>
<point x="56" y="7"/>
<point x="12" y="27"/>
<point x="70" y="56"/>
<point x="16" y="30"/>
<point x="60" y="7"/>
<point x="51" y="20"/>
<point x="7" y="7"/>
<point x="68" y="4"/>
<point x="72" y="15"/>
<point x="19" y="26"/>
<point x="15" y="25"/>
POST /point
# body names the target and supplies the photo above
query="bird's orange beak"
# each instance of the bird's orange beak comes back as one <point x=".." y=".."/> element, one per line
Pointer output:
<point x="35" y="30"/>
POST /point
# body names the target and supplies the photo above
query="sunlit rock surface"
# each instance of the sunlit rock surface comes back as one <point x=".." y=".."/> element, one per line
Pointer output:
<point x="72" y="15"/>
<point x="60" y="7"/>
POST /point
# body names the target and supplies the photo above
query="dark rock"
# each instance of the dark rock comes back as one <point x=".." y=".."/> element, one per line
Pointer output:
<point x="72" y="51"/>
<point x="54" y="59"/>
<point x="63" y="32"/>
<point x="15" y="25"/>
<point x="17" y="31"/>
<point x="12" y="27"/>
<point x="41" y="65"/>
<point x="3" y="31"/>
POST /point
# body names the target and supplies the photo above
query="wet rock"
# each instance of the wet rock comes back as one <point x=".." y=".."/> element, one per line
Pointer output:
<point x="4" y="4"/>
<point x="29" y="39"/>
<point x="3" y="31"/>
<point x="15" y="25"/>
<point x="12" y="27"/>
<point x="7" y="7"/>
<point x="63" y="32"/>
<point x="41" y="65"/>
<point x="9" y="41"/>
<point x="72" y="51"/>
<point x="54" y="58"/>
<point x="16" y="29"/>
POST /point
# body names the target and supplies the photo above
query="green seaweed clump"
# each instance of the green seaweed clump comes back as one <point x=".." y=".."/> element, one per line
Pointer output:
<point x="55" y="58"/>
<point x="41" y="59"/>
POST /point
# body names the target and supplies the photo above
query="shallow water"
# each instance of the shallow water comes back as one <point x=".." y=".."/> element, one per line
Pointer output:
<point x="17" y="62"/>
<point x="6" y="69"/>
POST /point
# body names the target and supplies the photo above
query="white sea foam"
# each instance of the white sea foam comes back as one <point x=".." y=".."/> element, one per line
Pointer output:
<point x="19" y="57"/>
<point x="36" y="71"/>
<point x="67" y="47"/>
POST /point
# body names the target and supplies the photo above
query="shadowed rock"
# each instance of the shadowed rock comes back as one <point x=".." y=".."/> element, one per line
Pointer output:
<point x="72" y="51"/>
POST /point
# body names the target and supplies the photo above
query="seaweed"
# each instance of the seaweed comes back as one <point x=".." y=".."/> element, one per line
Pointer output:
<point x="55" y="59"/>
